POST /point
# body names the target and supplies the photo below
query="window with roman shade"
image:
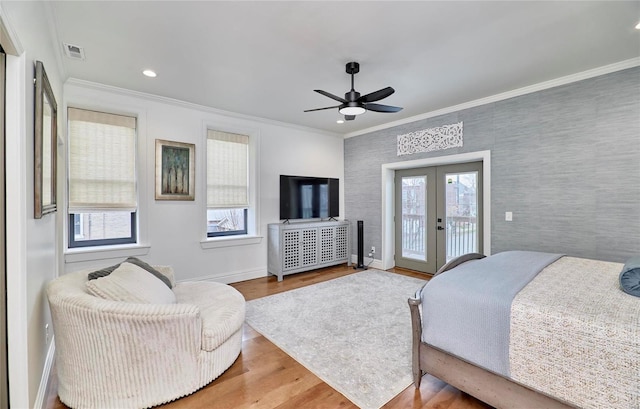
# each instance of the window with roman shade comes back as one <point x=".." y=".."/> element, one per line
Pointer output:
<point x="227" y="183"/>
<point x="102" y="178"/>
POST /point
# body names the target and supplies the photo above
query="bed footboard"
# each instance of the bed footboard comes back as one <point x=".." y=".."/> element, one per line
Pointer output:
<point x="485" y="385"/>
<point x="416" y="330"/>
<point x="416" y="320"/>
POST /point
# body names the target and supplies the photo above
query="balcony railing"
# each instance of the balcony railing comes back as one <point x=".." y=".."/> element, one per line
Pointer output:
<point x="461" y="236"/>
<point x="413" y="236"/>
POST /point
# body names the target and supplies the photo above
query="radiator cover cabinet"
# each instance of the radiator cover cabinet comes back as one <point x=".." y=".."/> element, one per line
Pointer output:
<point x="297" y="247"/>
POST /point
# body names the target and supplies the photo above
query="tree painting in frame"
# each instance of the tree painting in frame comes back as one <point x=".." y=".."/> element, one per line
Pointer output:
<point x="45" y="145"/>
<point x="175" y="170"/>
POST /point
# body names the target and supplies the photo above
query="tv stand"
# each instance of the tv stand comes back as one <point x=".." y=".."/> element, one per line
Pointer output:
<point x="297" y="247"/>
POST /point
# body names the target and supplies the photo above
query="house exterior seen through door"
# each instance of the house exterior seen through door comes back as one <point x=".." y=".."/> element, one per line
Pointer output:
<point x="438" y="215"/>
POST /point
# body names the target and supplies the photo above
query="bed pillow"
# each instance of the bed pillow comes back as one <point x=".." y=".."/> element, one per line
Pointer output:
<point x="131" y="283"/>
<point x="630" y="276"/>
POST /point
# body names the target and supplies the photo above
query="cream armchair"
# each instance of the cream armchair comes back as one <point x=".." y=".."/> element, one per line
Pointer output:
<point x="115" y="354"/>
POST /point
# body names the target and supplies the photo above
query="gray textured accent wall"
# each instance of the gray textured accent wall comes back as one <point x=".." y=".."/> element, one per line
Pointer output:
<point x="565" y="161"/>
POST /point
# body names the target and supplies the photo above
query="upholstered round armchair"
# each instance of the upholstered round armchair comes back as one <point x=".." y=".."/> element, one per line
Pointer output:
<point x="145" y="348"/>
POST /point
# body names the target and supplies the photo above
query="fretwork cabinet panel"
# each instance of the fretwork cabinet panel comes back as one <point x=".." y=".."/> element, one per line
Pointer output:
<point x="300" y="247"/>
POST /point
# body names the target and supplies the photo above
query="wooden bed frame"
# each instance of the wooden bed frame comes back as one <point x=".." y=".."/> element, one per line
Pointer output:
<point x="485" y="385"/>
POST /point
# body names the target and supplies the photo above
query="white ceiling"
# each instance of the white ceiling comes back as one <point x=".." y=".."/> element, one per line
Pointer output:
<point x="265" y="58"/>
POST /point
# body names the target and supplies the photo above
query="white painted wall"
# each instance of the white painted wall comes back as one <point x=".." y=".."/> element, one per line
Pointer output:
<point x="32" y="258"/>
<point x="172" y="232"/>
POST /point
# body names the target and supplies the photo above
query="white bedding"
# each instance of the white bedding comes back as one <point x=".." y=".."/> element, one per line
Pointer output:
<point x="576" y="336"/>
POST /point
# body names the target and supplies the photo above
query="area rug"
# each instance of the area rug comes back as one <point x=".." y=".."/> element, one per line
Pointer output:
<point x="353" y="332"/>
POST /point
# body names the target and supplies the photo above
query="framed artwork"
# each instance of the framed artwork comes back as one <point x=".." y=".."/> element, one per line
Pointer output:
<point x="45" y="145"/>
<point x="175" y="170"/>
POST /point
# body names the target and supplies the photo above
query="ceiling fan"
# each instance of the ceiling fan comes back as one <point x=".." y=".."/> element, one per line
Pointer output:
<point x="353" y="104"/>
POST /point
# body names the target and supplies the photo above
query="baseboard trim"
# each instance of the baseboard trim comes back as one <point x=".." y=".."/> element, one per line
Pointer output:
<point x="46" y="379"/>
<point x="368" y="262"/>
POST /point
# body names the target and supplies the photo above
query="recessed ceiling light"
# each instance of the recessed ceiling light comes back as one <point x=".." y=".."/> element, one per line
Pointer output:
<point x="638" y="26"/>
<point x="150" y="73"/>
<point x="340" y="121"/>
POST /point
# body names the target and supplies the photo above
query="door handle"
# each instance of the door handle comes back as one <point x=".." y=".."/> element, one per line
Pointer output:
<point x="439" y="228"/>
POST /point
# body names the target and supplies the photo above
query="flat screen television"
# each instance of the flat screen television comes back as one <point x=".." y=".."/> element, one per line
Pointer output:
<point x="304" y="197"/>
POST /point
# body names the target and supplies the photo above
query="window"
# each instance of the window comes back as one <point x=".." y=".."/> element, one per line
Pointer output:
<point x="102" y="179"/>
<point x="227" y="183"/>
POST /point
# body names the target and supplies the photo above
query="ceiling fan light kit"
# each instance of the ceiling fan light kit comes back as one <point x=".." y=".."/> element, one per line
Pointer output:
<point x="352" y="110"/>
<point x="353" y="104"/>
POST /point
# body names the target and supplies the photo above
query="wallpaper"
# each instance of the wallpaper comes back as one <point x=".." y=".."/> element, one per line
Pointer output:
<point x="565" y="161"/>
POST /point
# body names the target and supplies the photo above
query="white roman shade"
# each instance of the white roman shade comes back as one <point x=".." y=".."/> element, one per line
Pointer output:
<point x="102" y="174"/>
<point x="227" y="170"/>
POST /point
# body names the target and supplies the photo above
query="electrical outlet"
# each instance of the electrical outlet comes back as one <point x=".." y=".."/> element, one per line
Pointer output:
<point x="373" y="249"/>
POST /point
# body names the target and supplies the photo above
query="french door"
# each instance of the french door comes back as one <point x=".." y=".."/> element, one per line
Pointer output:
<point x="438" y="215"/>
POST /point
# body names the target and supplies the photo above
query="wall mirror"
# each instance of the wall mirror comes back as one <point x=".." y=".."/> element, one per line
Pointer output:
<point x="46" y="142"/>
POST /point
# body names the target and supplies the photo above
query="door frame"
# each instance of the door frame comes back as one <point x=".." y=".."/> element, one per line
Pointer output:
<point x="4" y="366"/>
<point x="388" y="195"/>
<point x="16" y="205"/>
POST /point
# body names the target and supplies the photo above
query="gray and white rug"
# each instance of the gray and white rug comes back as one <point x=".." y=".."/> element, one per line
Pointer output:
<point x="353" y="332"/>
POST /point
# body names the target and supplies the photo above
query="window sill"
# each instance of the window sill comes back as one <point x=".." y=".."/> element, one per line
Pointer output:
<point x="79" y="255"/>
<point x="229" y="241"/>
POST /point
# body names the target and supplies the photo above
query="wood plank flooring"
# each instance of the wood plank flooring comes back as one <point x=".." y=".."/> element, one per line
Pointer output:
<point x="264" y="377"/>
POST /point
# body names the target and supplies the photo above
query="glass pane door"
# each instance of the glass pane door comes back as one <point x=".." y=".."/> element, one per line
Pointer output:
<point x="415" y="246"/>
<point x="461" y="204"/>
<point x="414" y="213"/>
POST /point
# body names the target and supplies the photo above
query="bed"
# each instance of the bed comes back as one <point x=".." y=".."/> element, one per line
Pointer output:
<point x="530" y="330"/>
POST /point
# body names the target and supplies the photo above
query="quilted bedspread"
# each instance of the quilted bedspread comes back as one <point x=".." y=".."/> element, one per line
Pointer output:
<point x="467" y="310"/>
<point x="576" y="336"/>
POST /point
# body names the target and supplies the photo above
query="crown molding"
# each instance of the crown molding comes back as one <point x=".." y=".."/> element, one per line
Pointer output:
<point x="56" y="44"/>
<point x="8" y="36"/>
<point x="607" y="69"/>
<point x="189" y="105"/>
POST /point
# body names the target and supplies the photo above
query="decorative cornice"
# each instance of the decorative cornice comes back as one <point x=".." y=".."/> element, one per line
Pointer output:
<point x="607" y="69"/>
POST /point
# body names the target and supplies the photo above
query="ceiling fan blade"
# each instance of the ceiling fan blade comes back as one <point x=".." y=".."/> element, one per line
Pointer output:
<point x="320" y="109"/>
<point x="377" y="95"/>
<point x="381" y="108"/>
<point x="326" y="94"/>
<point x="349" y="117"/>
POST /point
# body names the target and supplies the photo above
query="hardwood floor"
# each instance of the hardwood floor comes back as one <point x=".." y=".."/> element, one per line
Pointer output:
<point x="264" y="377"/>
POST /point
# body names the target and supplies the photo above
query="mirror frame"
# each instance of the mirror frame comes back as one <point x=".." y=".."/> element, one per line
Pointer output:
<point x="44" y="92"/>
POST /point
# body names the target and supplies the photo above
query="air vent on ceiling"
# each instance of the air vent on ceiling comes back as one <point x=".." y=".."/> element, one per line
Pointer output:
<point x="73" y="51"/>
